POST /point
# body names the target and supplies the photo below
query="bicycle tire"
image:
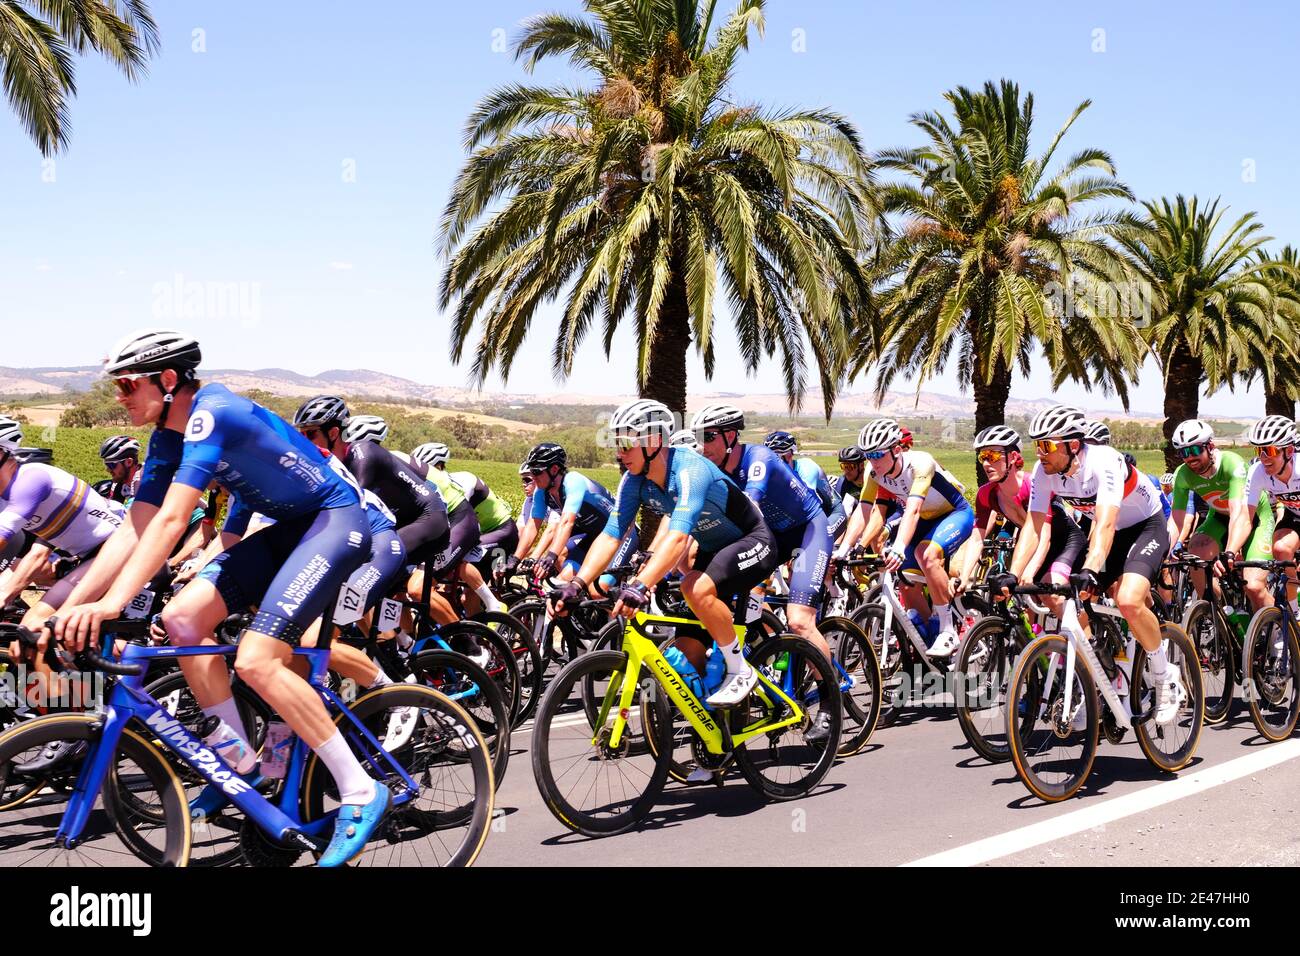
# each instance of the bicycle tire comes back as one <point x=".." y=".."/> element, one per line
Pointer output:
<point x="1027" y="741"/>
<point x="170" y="822"/>
<point x="807" y="763"/>
<point x="446" y="743"/>
<point x="1205" y="625"/>
<point x="853" y="651"/>
<point x="457" y="677"/>
<point x="1273" y="712"/>
<point x="1152" y="737"/>
<point x="988" y="652"/>
<point x="501" y="663"/>
<point x="567" y="745"/>
<point x="528" y="659"/>
<point x="870" y="619"/>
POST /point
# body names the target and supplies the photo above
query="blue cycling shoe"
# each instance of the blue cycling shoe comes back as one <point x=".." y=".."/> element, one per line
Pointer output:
<point x="211" y="799"/>
<point x="354" y="826"/>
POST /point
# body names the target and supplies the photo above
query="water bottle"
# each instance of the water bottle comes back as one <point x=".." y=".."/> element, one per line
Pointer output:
<point x="685" y="670"/>
<point x="715" y="671"/>
<point x="276" y="749"/>
<point x="917" y="623"/>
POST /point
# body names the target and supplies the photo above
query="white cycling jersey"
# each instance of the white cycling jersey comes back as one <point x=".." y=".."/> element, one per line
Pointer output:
<point x="1284" y="493"/>
<point x="1102" y="477"/>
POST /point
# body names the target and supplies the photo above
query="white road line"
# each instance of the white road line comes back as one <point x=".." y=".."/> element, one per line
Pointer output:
<point x="1068" y="824"/>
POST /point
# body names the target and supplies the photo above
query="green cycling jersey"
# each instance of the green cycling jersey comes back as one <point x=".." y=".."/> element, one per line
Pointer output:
<point x="491" y="511"/>
<point x="1225" y="485"/>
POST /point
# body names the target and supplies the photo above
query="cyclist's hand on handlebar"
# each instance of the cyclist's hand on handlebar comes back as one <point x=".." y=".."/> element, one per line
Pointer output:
<point x="1087" y="582"/>
<point x="78" y="626"/>
<point x="544" y="566"/>
<point x="568" y="596"/>
<point x="1001" y="586"/>
<point x="632" y="597"/>
<point x="894" y="557"/>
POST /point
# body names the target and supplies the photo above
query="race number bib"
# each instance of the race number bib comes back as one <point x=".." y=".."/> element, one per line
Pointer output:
<point x="390" y="614"/>
<point x="140" y="606"/>
<point x="349" y="607"/>
<point x="753" y="608"/>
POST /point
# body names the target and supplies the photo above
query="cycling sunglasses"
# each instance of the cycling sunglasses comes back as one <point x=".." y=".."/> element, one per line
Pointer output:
<point x="128" y="383"/>
<point x="1271" y="451"/>
<point x="707" y="437"/>
<point x="875" y="455"/>
<point x="988" y="456"/>
<point x="1192" y="451"/>
<point x="1048" y="446"/>
<point x="534" y="472"/>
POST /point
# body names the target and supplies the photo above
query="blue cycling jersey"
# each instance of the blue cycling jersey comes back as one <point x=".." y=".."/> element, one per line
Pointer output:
<point x="577" y="495"/>
<point x="785" y="501"/>
<point x="251" y="452"/>
<point x="815" y="478"/>
<point x="698" y="499"/>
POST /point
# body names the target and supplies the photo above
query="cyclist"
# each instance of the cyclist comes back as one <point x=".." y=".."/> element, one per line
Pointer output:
<point x="419" y="512"/>
<point x="1274" y="474"/>
<point x="790" y="509"/>
<point x="937" y="520"/>
<point x="292" y="570"/>
<point x="584" y="507"/>
<point x="684" y="439"/>
<point x="810" y="473"/>
<point x="1129" y="537"/>
<point x="498" y="533"/>
<point x="848" y="486"/>
<point x="1218" y="477"/>
<point x="736" y="548"/>
<point x="121" y="456"/>
<point x="1096" y="433"/>
<point x="1054" y="542"/>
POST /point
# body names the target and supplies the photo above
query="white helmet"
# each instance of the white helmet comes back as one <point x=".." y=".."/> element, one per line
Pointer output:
<point x="1272" y="430"/>
<point x="1059" y="421"/>
<point x="641" y="418"/>
<point x="997" y="436"/>
<point x="1192" y="432"/>
<point x="154" y="350"/>
<point x="720" y="417"/>
<point x="684" y="439"/>
<point x="11" y="434"/>
<point x="365" y="428"/>
<point x="1096" y="433"/>
<point x="880" y="435"/>
<point x="1167" y="478"/>
<point x="432" y="453"/>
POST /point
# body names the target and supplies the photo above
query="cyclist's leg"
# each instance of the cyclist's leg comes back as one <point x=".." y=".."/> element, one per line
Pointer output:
<point x="931" y="553"/>
<point x="807" y="578"/>
<point x="716" y="577"/>
<point x="1135" y="558"/>
<point x="1206" y="543"/>
<point x="913" y="595"/>
<point x="1259" y="548"/>
<point x="1286" y="538"/>
<point x="1066" y="549"/>
<point x="417" y="558"/>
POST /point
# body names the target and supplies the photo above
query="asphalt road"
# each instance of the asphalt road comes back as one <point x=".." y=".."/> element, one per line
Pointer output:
<point x="919" y="793"/>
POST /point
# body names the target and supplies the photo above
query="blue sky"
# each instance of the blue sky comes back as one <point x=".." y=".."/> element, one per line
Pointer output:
<point x="301" y="159"/>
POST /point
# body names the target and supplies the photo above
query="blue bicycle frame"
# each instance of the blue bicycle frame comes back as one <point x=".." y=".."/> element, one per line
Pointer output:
<point x="129" y="700"/>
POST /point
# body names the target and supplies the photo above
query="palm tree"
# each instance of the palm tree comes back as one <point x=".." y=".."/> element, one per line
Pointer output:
<point x="996" y="255"/>
<point x="1213" y="314"/>
<point x="1279" y="366"/>
<point x="632" y="198"/>
<point x="37" y="41"/>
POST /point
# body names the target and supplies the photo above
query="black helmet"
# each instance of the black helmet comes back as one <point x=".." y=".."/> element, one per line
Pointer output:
<point x="852" y="453"/>
<point x="321" y="412"/>
<point x="781" y="442"/>
<point x="119" y="448"/>
<point x="545" y="455"/>
<point x="42" y="456"/>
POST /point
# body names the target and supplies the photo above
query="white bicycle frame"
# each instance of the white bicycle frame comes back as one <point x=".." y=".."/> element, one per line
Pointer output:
<point x="894" y="608"/>
<point x="1077" y="645"/>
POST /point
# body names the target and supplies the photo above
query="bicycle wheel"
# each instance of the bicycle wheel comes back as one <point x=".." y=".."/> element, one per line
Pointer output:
<point x="1269" y="674"/>
<point x="895" y="652"/>
<point x="528" y="658"/>
<point x="444" y="821"/>
<point x="215" y="840"/>
<point x="1052" y="757"/>
<point x="465" y="637"/>
<point x="1211" y="634"/>
<point x="782" y="764"/>
<point x="1170" y="746"/>
<point x="859" y="682"/>
<point x="469" y="685"/>
<point x="154" y="827"/>
<point x="984" y="671"/>
<point x="597" y="788"/>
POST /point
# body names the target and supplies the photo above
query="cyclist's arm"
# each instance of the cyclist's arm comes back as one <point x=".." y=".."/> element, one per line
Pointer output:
<point x="563" y="531"/>
<point x="667" y="555"/>
<point x="22" y="573"/>
<point x="853" y="533"/>
<point x="1042" y="543"/>
<point x="1103" y="536"/>
<point x="599" y="555"/>
<point x="528" y="533"/>
<point x="974" y="549"/>
<point x="1031" y="545"/>
<point x="1179" y="518"/>
<point x="907" y="526"/>
<point x="113" y="555"/>
<point x="1239" y="525"/>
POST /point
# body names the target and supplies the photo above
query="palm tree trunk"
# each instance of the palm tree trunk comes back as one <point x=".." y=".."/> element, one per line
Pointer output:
<point x="1182" y="394"/>
<point x="990" y="399"/>
<point x="1278" y="402"/>
<point x="666" y="377"/>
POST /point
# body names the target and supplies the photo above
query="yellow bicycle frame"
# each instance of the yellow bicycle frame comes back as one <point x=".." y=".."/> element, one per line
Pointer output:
<point x="641" y="650"/>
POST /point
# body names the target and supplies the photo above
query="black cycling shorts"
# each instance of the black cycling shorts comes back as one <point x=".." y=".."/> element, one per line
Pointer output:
<point x="1140" y="549"/>
<point x="425" y="537"/>
<point x="740" y="566"/>
<point x="1066" y="549"/>
<point x="1290" y="521"/>
<point x="463" y="540"/>
<point x="499" y="542"/>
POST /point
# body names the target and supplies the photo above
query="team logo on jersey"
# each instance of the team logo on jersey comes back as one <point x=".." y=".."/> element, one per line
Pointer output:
<point x="757" y="470"/>
<point x="200" y="426"/>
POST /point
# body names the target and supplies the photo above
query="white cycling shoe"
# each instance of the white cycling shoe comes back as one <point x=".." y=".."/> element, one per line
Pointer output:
<point x="945" y="643"/>
<point x="734" y="689"/>
<point x="1170" y="695"/>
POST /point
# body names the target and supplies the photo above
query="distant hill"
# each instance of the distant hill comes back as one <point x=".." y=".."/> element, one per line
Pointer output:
<point x="366" y="383"/>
